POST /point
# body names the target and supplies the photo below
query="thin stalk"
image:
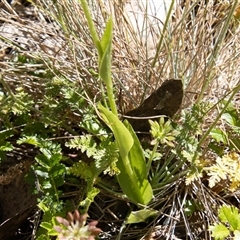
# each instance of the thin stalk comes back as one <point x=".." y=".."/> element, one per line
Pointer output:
<point x="162" y="35"/>
<point x="91" y="25"/>
<point x="5" y="86"/>
<point x="106" y="77"/>
<point x="235" y="90"/>
<point x="149" y="163"/>
<point x="171" y="180"/>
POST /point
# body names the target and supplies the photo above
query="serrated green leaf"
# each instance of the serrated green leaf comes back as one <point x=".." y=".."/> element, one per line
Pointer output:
<point x="29" y="140"/>
<point x="46" y="185"/>
<point x="230" y="117"/>
<point x="46" y="225"/>
<point x="229" y="214"/>
<point x="46" y="152"/>
<point x="219" y="135"/>
<point x="43" y="161"/>
<point x="43" y="207"/>
<point x="219" y="231"/>
<point x="141" y="215"/>
<point x="57" y="170"/>
<point x="53" y="232"/>
<point x="55" y="159"/>
<point x="225" y="212"/>
<point x="6" y="146"/>
<point x="83" y="170"/>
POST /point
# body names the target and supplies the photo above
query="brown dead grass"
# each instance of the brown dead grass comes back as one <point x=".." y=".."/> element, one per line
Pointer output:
<point x="188" y="49"/>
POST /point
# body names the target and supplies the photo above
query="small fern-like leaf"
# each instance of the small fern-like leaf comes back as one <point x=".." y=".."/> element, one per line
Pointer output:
<point x="83" y="170"/>
<point x="105" y="156"/>
<point x="33" y="140"/>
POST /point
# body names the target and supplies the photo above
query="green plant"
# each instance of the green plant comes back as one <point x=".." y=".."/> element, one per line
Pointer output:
<point x="51" y="108"/>
<point x="50" y="175"/>
<point x="132" y="177"/>
<point x="226" y="136"/>
<point x="164" y="137"/>
<point x="5" y="146"/>
<point x="222" y="169"/>
<point x="102" y="158"/>
<point x="226" y="169"/>
<point x="229" y="225"/>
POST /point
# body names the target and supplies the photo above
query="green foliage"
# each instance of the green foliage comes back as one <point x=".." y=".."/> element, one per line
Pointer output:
<point x="225" y="166"/>
<point x="31" y="120"/>
<point x="163" y="132"/>
<point x="19" y="103"/>
<point x="227" y="169"/>
<point x="61" y="100"/>
<point x="50" y="209"/>
<point x="228" y="137"/>
<point x="50" y="174"/>
<point x="5" y="146"/>
<point x="132" y="164"/>
<point x="220" y="232"/>
<point x="166" y="159"/>
<point x="64" y="110"/>
<point x="104" y="48"/>
<point x="164" y="135"/>
<point x="104" y="154"/>
<point x="229" y="225"/>
<point x="189" y="141"/>
<point x="190" y="130"/>
<point x="102" y="157"/>
<point x="23" y="103"/>
<point x="141" y="215"/>
<point x="48" y="167"/>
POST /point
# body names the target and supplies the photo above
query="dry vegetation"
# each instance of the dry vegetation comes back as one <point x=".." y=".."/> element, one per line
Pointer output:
<point x="192" y="47"/>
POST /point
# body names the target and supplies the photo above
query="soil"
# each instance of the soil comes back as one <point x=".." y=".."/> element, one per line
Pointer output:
<point x="17" y="203"/>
